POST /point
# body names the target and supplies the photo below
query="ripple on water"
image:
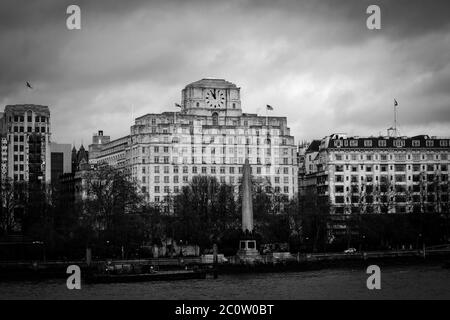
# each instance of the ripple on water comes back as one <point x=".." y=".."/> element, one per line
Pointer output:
<point x="412" y="282"/>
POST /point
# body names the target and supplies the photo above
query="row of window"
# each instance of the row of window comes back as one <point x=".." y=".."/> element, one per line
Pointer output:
<point x="396" y="177"/>
<point x="397" y="208"/>
<point x="202" y="139"/>
<point x="231" y="160"/>
<point x="396" y="167"/>
<point x="399" y="188"/>
<point x="386" y="157"/>
<point x="29" y="119"/>
<point x="190" y="133"/>
<point x="391" y="199"/>
<point x="245" y="123"/>
<point x="19" y="177"/>
<point x="397" y="143"/>
<point x="214" y="150"/>
<point x="213" y="170"/>
<point x="19" y="167"/>
<point x="26" y="138"/>
<point x="19" y="157"/>
<point x="176" y="189"/>
<point x="176" y="179"/>
<point x="17" y="129"/>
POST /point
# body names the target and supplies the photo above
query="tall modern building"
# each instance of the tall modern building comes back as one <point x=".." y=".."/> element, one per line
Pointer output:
<point x="28" y="142"/>
<point x="26" y="148"/>
<point x="61" y="160"/>
<point x="210" y="135"/>
<point x="3" y="148"/>
<point x="382" y="175"/>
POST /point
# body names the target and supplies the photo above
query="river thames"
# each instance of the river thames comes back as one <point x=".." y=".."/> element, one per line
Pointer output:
<point x="405" y="282"/>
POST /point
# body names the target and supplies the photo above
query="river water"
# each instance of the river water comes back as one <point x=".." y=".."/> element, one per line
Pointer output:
<point x="405" y="282"/>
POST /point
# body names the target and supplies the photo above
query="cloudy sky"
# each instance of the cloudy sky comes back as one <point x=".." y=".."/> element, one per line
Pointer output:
<point x="314" y="61"/>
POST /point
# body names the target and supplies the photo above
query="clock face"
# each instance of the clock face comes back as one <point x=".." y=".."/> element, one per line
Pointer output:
<point x="215" y="98"/>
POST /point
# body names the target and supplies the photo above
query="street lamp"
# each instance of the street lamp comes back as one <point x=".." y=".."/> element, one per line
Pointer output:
<point x="108" y="249"/>
<point x="41" y="243"/>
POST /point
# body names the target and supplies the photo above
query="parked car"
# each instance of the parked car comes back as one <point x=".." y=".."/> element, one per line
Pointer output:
<point x="350" y="251"/>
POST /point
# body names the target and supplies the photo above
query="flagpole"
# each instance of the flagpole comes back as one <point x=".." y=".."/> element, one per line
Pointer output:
<point x="175" y="113"/>
<point x="395" y="117"/>
<point x="395" y="120"/>
<point x="267" y="116"/>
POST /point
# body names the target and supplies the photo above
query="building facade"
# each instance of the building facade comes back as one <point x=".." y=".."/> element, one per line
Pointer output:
<point x="27" y="131"/>
<point x="60" y="159"/>
<point x="115" y="152"/>
<point x="26" y="148"/>
<point x="210" y="135"/>
<point x="4" y="148"/>
<point x="80" y="159"/>
<point x="378" y="174"/>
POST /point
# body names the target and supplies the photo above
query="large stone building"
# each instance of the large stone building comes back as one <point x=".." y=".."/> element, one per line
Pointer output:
<point x="377" y="175"/>
<point x="210" y="135"/>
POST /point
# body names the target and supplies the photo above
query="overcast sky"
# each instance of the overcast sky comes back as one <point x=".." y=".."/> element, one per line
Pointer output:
<point x="315" y="62"/>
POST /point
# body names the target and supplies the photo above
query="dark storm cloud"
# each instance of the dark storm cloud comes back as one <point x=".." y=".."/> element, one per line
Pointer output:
<point x="314" y="60"/>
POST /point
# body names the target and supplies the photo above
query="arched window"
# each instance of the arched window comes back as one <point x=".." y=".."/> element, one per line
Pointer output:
<point x="234" y="105"/>
<point x="215" y="117"/>
<point x="198" y="104"/>
<point x="29" y="116"/>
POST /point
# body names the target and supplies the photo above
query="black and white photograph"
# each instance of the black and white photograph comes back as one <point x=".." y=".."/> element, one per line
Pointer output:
<point x="225" y="156"/>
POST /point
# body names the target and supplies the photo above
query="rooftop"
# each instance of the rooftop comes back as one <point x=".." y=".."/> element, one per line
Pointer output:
<point x="212" y="83"/>
<point x="314" y="146"/>
<point x="26" y="107"/>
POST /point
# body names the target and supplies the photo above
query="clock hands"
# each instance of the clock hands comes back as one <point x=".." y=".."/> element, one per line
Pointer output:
<point x="215" y="98"/>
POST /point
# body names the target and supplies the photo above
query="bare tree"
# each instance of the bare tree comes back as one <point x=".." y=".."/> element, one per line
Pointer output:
<point x="14" y="197"/>
<point x="110" y="192"/>
<point x="9" y="202"/>
<point x="385" y="194"/>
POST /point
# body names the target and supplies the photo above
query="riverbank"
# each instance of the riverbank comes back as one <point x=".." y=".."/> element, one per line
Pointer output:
<point x="39" y="270"/>
<point x="349" y="263"/>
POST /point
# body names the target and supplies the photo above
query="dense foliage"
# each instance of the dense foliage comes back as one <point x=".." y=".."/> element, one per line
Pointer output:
<point x="115" y="220"/>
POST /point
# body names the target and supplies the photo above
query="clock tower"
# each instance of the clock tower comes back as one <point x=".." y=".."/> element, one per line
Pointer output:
<point x="211" y="96"/>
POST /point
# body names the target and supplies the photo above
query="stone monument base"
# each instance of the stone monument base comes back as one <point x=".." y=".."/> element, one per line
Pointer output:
<point x="247" y="252"/>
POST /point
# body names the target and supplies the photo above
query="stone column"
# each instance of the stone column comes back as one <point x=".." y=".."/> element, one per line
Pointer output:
<point x="247" y="206"/>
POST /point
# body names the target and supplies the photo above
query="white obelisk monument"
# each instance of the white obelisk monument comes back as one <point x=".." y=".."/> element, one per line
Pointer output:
<point x="247" y="205"/>
<point x="247" y="247"/>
